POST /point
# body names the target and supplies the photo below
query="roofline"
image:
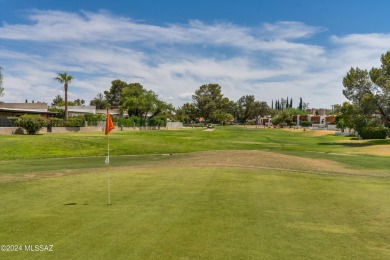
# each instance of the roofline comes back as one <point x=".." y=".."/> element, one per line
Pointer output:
<point x="28" y="111"/>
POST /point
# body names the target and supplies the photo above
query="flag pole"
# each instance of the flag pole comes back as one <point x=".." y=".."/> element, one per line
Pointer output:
<point x="108" y="169"/>
<point x="108" y="128"/>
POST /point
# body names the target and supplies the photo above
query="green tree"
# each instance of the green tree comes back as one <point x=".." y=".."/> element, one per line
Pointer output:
<point x="282" y="118"/>
<point x="142" y="103"/>
<point x="246" y="108"/>
<point x="300" y="106"/>
<point x="221" y="116"/>
<point x="79" y="102"/>
<point x="65" y="79"/>
<point x="99" y="102"/>
<point x="113" y="96"/>
<point x="187" y="113"/>
<point x="261" y="109"/>
<point x="207" y="99"/>
<point x="58" y="101"/>
<point x="345" y="115"/>
<point x="132" y="98"/>
<point x="369" y="91"/>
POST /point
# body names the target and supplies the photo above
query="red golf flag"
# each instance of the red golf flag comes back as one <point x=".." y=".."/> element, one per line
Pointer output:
<point x="109" y="124"/>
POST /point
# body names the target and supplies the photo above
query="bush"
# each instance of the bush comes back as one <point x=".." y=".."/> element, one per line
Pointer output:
<point x="32" y="123"/>
<point x="56" y="122"/>
<point x="305" y="123"/>
<point x="76" y="121"/>
<point x="61" y="112"/>
<point x="128" y="122"/>
<point x="93" y="120"/>
<point x="378" y="132"/>
<point x="158" y="121"/>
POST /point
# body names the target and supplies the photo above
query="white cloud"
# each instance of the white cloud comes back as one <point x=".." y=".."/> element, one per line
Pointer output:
<point x="290" y="30"/>
<point x="271" y="61"/>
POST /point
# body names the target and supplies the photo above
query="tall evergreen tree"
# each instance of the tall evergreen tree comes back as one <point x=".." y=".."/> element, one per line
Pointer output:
<point x="300" y="107"/>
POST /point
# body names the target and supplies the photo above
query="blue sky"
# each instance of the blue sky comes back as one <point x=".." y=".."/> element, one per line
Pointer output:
<point x="270" y="49"/>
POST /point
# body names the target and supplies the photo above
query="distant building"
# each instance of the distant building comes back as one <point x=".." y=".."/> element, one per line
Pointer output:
<point x="8" y="110"/>
<point x="79" y="110"/>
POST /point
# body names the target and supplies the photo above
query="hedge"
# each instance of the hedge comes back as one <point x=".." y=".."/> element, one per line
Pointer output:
<point x="374" y="132"/>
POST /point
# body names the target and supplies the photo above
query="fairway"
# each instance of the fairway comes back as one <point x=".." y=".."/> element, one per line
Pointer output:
<point x="237" y="194"/>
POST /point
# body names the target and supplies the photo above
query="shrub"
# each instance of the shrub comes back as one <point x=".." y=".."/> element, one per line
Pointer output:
<point x="158" y="121"/>
<point x="32" y="123"/>
<point x="93" y="120"/>
<point x="61" y="112"/>
<point x="76" y="121"/>
<point x="378" y="132"/>
<point x="305" y="123"/>
<point x="56" y="122"/>
<point x="128" y="122"/>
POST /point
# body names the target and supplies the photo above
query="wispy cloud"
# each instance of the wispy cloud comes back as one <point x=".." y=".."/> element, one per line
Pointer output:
<point x="270" y="61"/>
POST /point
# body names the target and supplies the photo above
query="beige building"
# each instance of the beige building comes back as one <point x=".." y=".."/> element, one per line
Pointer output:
<point x="8" y="110"/>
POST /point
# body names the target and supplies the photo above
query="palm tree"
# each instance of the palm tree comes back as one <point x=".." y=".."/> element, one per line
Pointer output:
<point x="64" y="78"/>
<point x="1" y="82"/>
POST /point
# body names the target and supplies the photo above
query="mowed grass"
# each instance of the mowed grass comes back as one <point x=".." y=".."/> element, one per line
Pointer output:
<point x="179" y="141"/>
<point x="235" y="194"/>
<point x="195" y="212"/>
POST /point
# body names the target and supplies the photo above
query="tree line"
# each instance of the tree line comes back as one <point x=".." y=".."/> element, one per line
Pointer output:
<point x="208" y="105"/>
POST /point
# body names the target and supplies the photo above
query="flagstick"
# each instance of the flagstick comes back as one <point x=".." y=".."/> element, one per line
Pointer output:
<point x="108" y="169"/>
